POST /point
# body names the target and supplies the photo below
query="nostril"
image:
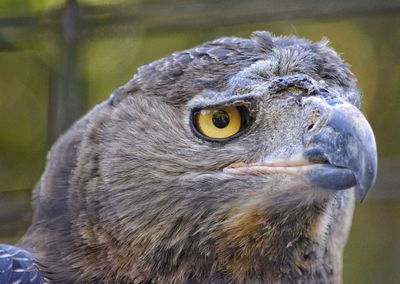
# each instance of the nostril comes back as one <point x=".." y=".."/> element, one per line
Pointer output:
<point x="310" y="127"/>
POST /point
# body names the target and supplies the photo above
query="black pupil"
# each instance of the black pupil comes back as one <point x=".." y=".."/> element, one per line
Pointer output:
<point x="220" y="119"/>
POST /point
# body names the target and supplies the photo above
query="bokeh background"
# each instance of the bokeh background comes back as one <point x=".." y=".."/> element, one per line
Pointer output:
<point x="59" y="58"/>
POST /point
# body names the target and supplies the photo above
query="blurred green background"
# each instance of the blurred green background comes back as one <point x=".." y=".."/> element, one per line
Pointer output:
<point x="60" y="58"/>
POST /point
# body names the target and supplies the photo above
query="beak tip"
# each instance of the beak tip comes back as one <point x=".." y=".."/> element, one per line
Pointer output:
<point x="366" y="184"/>
<point x="367" y="179"/>
<point x="364" y="188"/>
<point x="362" y="193"/>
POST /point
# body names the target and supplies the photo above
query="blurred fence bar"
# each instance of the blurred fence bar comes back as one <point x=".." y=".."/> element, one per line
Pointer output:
<point x="163" y="16"/>
<point x="68" y="97"/>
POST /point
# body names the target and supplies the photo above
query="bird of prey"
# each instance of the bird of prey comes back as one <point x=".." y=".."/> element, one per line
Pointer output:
<point x="232" y="162"/>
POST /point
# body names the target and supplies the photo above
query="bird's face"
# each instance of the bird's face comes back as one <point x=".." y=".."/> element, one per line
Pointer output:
<point x="213" y="148"/>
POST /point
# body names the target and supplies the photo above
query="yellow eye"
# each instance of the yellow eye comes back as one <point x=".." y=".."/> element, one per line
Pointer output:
<point x="219" y="122"/>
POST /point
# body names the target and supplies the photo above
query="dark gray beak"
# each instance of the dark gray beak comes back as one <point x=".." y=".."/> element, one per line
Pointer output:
<point x="343" y="139"/>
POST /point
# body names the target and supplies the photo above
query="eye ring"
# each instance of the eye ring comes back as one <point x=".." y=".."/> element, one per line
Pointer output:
<point x="238" y="114"/>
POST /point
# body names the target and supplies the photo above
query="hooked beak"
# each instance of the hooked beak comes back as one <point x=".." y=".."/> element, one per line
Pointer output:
<point x="339" y="153"/>
<point x="346" y="141"/>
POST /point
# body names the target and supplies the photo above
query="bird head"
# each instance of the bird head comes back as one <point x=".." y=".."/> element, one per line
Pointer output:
<point x="235" y="159"/>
